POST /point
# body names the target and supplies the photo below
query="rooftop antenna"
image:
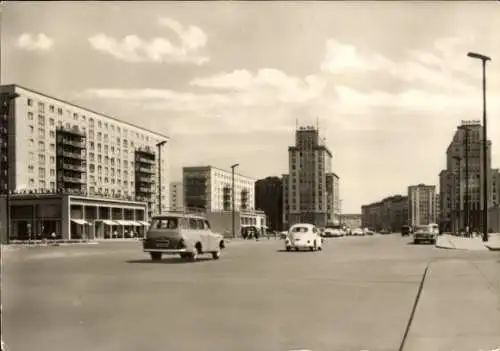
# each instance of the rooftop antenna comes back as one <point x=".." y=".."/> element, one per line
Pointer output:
<point x="317" y="123"/>
<point x="296" y="123"/>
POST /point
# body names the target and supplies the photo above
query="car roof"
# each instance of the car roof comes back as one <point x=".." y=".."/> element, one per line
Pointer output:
<point x="307" y="225"/>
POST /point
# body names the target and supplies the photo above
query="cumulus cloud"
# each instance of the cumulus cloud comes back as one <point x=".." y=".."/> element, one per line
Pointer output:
<point x="132" y="48"/>
<point x="438" y="68"/>
<point x="35" y="42"/>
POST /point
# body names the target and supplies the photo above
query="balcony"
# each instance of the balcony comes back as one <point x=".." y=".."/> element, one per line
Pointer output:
<point x="145" y="170"/>
<point x="70" y="131"/>
<point x="72" y="142"/>
<point x="73" y="155"/>
<point x="147" y="180"/>
<point x="144" y="190"/>
<point x="76" y="168"/>
<point x="145" y="160"/>
<point x="75" y="180"/>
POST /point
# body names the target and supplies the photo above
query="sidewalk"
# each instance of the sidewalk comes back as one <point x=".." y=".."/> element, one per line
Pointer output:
<point x="448" y="241"/>
<point x="458" y="309"/>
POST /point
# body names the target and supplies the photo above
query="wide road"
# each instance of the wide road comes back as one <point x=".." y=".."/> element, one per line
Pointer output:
<point x="357" y="294"/>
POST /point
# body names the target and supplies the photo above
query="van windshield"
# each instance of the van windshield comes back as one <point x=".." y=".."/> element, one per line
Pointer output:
<point x="165" y="223"/>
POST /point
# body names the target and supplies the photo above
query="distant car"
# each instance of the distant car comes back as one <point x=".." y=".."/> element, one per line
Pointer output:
<point x="283" y="235"/>
<point x="182" y="234"/>
<point x="357" y="232"/>
<point x="425" y="233"/>
<point x="368" y="232"/>
<point x="385" y="231"/>
<point x="303" y="236"/>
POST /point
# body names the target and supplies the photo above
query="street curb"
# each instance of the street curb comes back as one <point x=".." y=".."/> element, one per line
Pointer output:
<point x="492" y="248"/>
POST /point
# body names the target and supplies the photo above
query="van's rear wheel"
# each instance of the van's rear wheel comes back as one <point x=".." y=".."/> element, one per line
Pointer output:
<point x="155" y="256"/>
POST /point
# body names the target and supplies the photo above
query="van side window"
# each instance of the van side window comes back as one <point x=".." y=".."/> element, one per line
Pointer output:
<point x="206" y="225"/>
<point x="184" y="223"/>
<point x="193" y="224"/>
<point x="199" y="223"/>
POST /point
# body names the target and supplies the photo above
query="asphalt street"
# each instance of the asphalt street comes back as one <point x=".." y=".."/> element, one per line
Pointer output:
<point x="357" y="294"/>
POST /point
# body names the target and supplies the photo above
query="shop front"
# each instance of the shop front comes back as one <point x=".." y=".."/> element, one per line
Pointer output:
<point x="61" y="216"/>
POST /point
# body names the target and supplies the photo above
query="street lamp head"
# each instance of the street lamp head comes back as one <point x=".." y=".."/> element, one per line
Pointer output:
<point x="161" y="143"/>
<point x="235" y="165"/>
<point x="478" y="56"/>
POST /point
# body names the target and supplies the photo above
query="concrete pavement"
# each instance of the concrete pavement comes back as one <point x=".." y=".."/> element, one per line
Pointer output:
<point x="459" y="308"/>
<point x="357" y="294"/>
<point x="447" y="241"/>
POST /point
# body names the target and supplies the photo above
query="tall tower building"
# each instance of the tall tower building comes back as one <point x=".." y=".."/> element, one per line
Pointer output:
<point x="311" y="192"/>
<point x="461" y="184"/>
<point x="422" y="204"/>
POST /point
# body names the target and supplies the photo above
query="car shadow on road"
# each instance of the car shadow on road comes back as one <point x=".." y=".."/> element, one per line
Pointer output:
<point x="292" y="251"/>
<point x="172" y="260"/>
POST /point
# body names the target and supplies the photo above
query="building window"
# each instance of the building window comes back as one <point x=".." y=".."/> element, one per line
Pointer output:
<point x="41" y="107"/>
<point x="75" y="116"/>
<point x="29" y="102"/>
<point x="52" y="134"/>
<point x="41" y="120"/>
<point x="30" y="116"/>
<point x="41" y="146"/>
<point x="41" y="132"/>
<point x="41" y="172"/>
<point x="59" y="111"/>
<point x="52" y="172"/>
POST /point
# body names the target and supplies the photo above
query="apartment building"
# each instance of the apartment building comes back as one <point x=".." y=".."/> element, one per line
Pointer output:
<point x="390" y="213"/>
<point x="422" y="204"/>
<point x="269" y="198"/>
<point x="313" y="189"/>
<point x="351" y="220"/>
<point x="176" y="196"/>
<point x="209" y="189"/>
<point x="461" y="183"/>
<point x="54" y="146"/>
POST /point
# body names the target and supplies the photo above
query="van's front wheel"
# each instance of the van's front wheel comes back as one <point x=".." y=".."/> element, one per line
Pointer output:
<point x="216" y="254"/>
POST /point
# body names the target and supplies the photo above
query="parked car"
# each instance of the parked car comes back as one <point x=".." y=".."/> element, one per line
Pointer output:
<point x="333" y="233"/>
<point x="368" y="231"/>
<point x="181" y="234"/>
<point x="303" y="236"/>
<point x="357" y="232"/>
<point x="425" y="233"/>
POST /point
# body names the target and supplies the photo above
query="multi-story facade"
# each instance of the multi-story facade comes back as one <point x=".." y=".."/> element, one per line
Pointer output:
<point x="176" y="196"/>
<point x="352" y="220"/>
<point x="421" y="204"/>
<point x="57" y="146"/>
<point x="311" y="184"/>
<point x="461" y="183"/>
<point x="209" y="189"/>
<point x="269" y="198"/>
<point x="285" y="181"/>
<point x="390" y="213"/>
<point x="438" y="208"/>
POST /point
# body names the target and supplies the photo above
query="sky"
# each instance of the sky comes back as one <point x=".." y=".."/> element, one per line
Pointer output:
<point x="388" y="82"/>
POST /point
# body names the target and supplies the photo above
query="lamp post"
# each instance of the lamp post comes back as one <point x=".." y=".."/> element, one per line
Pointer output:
<point x="5" y="99"/>
<point x="484" y="59"/>
<point x="233" y="213"/>
<point x="159" y="145"/>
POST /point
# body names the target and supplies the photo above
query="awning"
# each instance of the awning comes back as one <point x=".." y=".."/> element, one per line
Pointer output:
<point x="134" y="223"/>
<point x="80" y="221"/>
<point x="122" y="222"/>
<point x="108" y="222"/>
<point x="143" y="223"/>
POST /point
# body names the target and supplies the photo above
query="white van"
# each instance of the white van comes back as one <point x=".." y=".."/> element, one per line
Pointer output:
<point x="182" y="234"/>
